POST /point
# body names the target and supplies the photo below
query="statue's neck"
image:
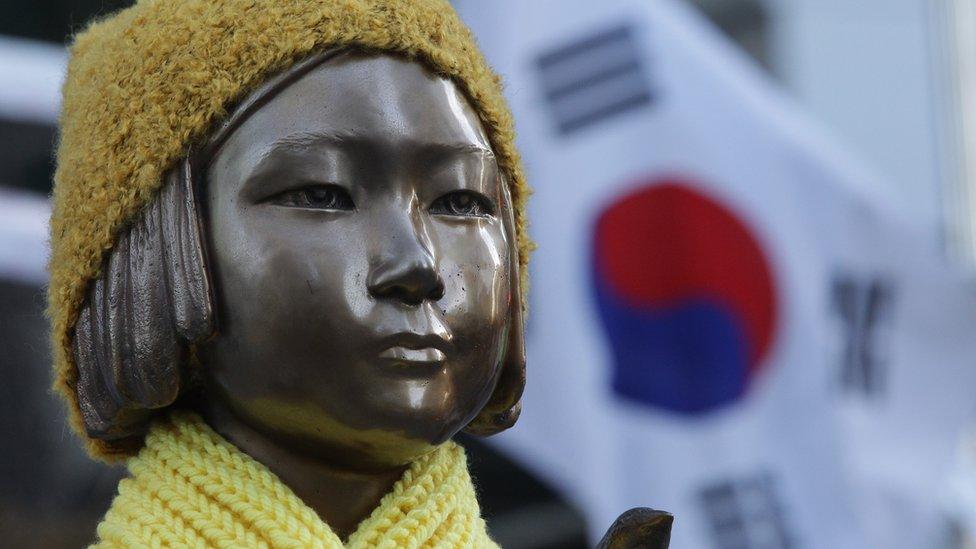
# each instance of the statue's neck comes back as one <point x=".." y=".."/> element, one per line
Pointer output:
<point x="342" y="498"/>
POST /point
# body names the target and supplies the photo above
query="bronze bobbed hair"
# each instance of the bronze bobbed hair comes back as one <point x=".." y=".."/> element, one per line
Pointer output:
<point x="153" y="301"/>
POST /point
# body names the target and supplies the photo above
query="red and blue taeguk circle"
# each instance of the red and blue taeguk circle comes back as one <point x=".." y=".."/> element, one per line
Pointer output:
<point x="685" y="295"/>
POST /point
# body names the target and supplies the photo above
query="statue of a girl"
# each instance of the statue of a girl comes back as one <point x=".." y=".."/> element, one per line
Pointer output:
<point x="288" y="243"/>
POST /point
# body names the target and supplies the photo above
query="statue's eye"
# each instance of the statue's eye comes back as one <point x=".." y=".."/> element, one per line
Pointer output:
<point x="319" y="197"/>
<point x="462" y="203"/>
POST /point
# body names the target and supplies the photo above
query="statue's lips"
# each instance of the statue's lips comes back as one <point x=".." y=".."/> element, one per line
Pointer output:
<point x="426" y="355"/>
<point x="410" y="349"/>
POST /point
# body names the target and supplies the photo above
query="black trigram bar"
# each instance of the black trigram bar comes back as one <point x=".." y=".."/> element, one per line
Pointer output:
<point x="864" y="308"/>
<point x="745" y="513"/>
<point x="594" y="78"/>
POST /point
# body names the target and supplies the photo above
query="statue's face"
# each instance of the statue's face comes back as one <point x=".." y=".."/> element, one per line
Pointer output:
<point x="361" y="260"/>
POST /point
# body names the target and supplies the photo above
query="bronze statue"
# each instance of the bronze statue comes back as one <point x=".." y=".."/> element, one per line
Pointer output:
<point x="330" y="278"/>
<point x="361" y="245"/>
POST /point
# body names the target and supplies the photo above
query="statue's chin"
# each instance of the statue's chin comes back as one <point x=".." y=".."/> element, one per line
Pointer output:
<point x="308" y="430"/>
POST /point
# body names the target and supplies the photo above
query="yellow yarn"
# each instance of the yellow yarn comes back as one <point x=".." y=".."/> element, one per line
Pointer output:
<point x="191" y="488"/>
<point x="146" y="84"/>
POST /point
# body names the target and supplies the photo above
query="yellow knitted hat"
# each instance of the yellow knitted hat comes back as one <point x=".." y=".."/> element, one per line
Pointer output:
<point x="150" y="81"/>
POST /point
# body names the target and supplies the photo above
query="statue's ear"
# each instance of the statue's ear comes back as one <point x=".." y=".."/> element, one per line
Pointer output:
<point x="505" y="404"/>
<point x="150" y="302"/>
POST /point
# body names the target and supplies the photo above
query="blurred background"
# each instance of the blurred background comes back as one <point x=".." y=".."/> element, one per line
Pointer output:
<point x="754" y="298"/>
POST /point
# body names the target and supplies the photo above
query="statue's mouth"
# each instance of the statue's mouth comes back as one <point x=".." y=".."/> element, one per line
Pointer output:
<point x="426" y="355"/>
<point x="409" y="349"/>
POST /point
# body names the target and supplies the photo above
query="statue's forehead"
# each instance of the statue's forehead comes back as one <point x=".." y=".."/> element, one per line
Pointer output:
<point x="382" y="97"/>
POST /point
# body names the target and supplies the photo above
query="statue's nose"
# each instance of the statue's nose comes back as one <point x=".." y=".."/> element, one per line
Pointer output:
<point x="411" y="281"/>
<point x="406" y="270"/>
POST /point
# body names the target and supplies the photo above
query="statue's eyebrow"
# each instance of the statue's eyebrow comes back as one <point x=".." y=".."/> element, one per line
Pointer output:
<point x="301" y="141"/>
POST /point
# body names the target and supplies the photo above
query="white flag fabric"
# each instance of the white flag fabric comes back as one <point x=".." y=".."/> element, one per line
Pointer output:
<point x="728" y="320"/>
<point x="23" y="236"/>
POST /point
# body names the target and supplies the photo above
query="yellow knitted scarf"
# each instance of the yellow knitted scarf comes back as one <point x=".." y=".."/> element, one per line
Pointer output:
<point x="191" y="488"/>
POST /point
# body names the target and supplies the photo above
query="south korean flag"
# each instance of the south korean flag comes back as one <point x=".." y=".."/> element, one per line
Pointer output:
<point x="728" y="320"/>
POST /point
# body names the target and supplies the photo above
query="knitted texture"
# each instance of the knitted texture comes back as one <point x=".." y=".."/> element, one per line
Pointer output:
<point x="191" y="488"/>
<point x="146" y="84"/>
